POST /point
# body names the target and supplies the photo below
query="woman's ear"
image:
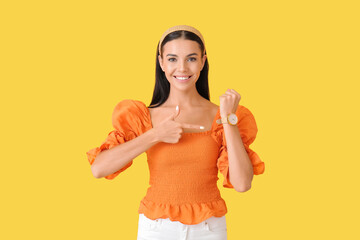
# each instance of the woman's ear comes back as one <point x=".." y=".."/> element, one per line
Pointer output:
<point x="160" y="61"/>
<point x="203" y="62"/>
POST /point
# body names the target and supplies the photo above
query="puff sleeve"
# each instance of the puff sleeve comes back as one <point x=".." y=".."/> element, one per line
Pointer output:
<point x="127" y="122"/>
<point x="248" y="130"/>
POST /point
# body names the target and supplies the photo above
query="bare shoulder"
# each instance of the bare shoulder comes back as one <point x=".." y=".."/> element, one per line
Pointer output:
<point x="212" y="107"/>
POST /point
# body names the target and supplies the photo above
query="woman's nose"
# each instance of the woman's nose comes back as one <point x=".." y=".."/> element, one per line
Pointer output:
<point x="182" y="66"/>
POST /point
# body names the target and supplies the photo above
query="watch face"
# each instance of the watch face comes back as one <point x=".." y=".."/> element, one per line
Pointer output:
<point x="233" y="119"/>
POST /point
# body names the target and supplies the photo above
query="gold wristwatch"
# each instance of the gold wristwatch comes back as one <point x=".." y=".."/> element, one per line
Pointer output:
<point x="231" y="119"/>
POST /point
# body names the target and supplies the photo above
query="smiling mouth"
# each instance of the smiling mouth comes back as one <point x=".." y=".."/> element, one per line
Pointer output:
<point x="182" y="78"/>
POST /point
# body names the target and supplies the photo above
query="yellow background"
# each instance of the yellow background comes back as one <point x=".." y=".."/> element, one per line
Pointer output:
<point x="66" y="64"/>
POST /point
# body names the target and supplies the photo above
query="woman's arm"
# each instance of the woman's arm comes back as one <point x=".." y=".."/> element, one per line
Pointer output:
<point x="240" y="166"/>
<point x="111" y="160"/>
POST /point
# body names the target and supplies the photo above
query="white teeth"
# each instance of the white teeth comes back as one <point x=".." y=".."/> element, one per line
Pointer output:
<point x="182" y="78"/>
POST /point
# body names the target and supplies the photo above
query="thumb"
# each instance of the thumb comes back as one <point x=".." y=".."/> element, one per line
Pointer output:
<point x="175" y="114"/>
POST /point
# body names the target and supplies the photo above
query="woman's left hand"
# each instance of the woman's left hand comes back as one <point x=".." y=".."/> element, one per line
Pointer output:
<point x="229" y="102"/>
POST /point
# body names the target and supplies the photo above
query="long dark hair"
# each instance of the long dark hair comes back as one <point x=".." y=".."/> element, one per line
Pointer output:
<point x="162" y="86"/>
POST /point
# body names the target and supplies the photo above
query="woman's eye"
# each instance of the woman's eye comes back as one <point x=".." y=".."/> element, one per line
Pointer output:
<point x="173" y="59"/>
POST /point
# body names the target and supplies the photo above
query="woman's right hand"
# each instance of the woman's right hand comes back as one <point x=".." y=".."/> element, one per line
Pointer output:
<point x="169" y="131"/>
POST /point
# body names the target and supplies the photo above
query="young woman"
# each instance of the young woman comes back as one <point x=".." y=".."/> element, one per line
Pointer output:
<point x="187" y="139"/>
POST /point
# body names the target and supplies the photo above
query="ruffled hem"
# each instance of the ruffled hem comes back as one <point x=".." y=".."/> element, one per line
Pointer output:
<point x="187" y="213"/>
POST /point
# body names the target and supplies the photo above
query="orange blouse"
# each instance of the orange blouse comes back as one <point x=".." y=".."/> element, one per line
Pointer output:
<point x="183" y="176"/>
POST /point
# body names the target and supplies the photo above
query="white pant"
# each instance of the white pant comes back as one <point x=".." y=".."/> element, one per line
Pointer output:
<point x="213" y="228"/>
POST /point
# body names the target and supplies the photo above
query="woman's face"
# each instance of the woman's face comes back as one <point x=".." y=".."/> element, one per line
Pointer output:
<point x="182" y="59"/>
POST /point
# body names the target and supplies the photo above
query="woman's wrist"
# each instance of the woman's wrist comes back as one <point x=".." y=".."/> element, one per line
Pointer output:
<point x="153" y="137"/>
<point x="224" y="115"/>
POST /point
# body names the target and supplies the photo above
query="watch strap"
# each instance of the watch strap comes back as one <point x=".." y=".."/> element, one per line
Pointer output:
<point x="221" y="120"/>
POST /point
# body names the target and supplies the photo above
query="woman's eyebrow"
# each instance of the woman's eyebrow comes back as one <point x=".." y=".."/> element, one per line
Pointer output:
<point x="187" y="55"/>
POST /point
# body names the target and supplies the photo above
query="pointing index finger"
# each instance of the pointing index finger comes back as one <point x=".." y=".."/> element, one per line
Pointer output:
<point x="188" y="125"/>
